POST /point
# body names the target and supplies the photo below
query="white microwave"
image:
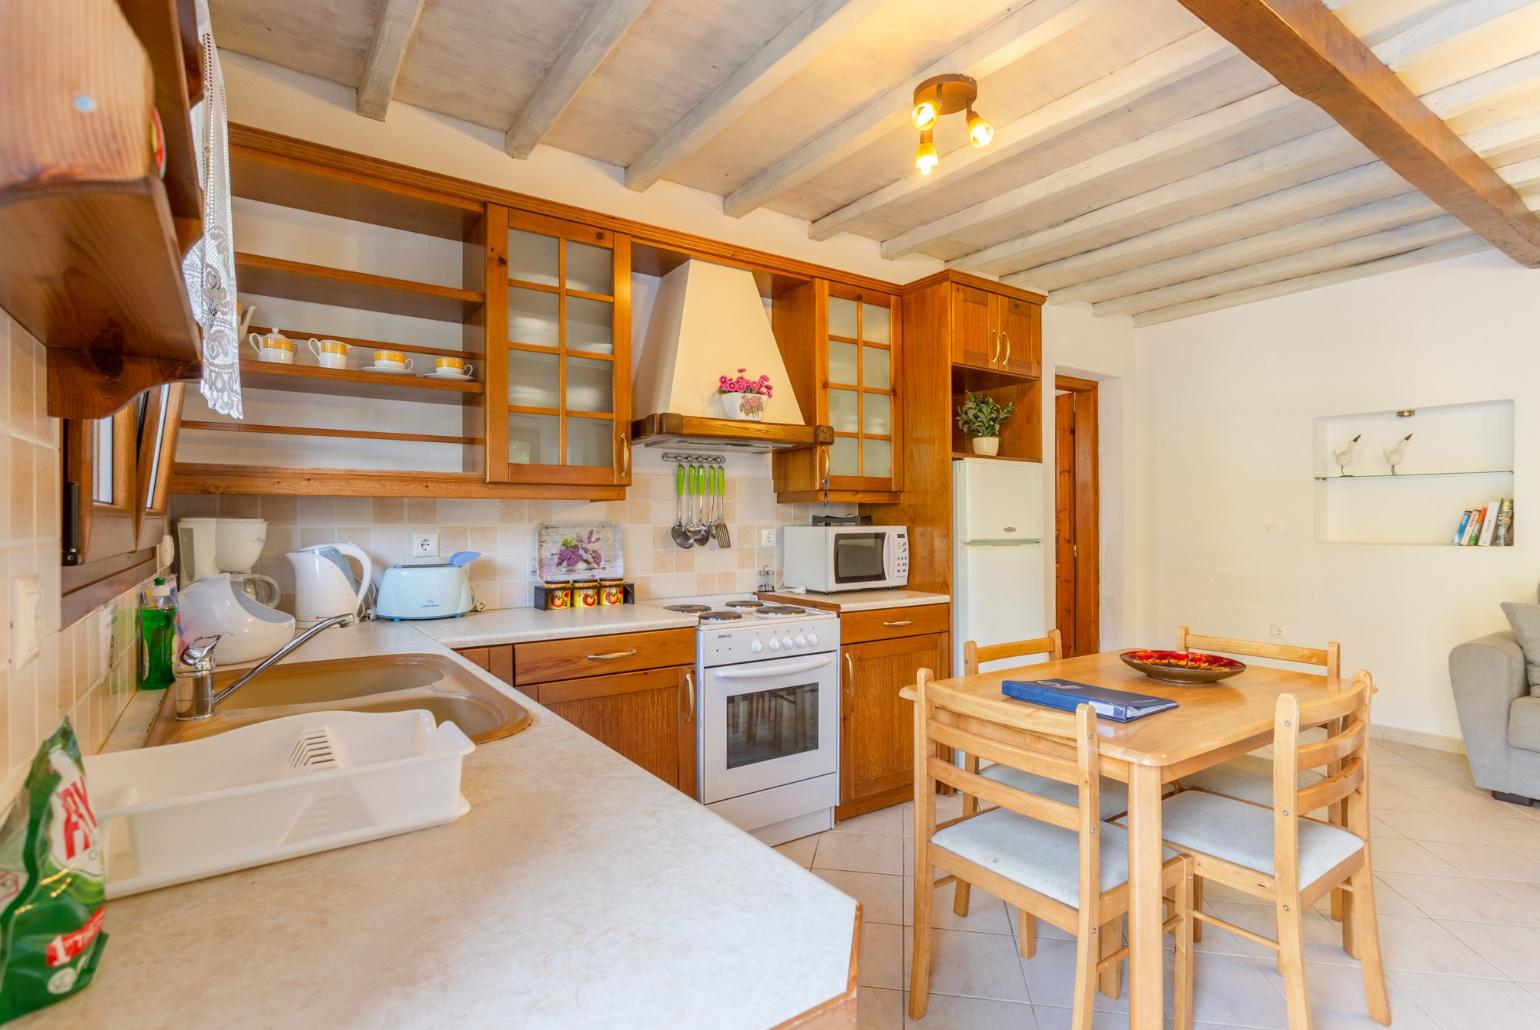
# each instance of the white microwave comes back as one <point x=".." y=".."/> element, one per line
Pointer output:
<point x="829" y="558"/>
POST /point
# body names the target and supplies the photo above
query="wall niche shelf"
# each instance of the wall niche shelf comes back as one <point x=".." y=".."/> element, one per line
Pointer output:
<point x="1459" y="456"/>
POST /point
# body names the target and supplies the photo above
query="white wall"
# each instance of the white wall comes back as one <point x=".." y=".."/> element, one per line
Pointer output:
<point x="1228" y="449"/>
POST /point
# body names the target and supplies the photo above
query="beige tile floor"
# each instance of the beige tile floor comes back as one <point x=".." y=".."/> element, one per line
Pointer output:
<point x="1458" y="886"/>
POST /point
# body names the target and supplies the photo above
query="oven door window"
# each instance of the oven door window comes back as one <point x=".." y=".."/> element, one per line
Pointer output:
<point x="858" y="557"/>
<point x="768" y="724"/>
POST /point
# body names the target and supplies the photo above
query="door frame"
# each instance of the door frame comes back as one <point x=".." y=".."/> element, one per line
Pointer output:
<point x="1085" y="636"/>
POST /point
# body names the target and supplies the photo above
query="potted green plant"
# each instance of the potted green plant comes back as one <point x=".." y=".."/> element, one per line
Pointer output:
<point x="981" y="417"/>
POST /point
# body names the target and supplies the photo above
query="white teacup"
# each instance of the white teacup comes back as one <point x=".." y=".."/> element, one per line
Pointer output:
<point x="274" y="347"/>
<point x="446" y="366"/>
<point x="329" y="353"/>
<point x="392" y="359"/>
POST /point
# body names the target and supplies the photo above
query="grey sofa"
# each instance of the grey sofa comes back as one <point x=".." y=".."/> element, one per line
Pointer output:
<point x="1499" y="718"/>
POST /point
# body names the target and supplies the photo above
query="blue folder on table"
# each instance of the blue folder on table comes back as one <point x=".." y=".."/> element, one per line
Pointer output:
<point x="1117" y="705"/>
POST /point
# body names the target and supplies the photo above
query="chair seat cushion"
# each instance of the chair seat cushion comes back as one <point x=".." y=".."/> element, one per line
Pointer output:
<point x="1242" y="833"/>
<point x="1248" y="777"/>
<point x="1114" y="795"/>
<point x="1524" y="723"/>
<point x="1036" y="855"/>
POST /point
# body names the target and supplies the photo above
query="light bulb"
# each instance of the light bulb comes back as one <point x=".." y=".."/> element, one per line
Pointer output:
<point x="980" y="132"/>
<point x="925" y="158"/>
<point x="924" y="115"/>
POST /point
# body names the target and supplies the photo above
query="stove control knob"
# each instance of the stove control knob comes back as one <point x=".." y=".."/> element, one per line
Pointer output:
<point x="801" y="640"/>
<point x="787" y="644"/>
<point x="775" y="645"/>
<point x="812" y="640"/>
<point x="756" y="647"/>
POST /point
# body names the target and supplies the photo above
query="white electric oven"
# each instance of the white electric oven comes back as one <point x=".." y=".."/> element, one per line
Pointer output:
<point x="825" y="559"/>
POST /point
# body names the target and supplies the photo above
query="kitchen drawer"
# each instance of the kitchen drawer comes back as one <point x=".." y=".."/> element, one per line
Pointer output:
<point x="497" y="659"/>
<point x="887" y="623"/>
<point x="543" y="661"/>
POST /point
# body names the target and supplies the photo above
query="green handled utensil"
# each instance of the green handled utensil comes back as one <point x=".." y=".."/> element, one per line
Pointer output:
<point x="678" y="532"/>
<point x="724" y="538"/>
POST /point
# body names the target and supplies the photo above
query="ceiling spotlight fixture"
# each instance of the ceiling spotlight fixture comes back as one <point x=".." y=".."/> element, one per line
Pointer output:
<point x="925" y="158"/>
<point x="946" y="94"/>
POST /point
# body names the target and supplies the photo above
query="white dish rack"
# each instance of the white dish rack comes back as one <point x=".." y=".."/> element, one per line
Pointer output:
<point x="275" y="790"/>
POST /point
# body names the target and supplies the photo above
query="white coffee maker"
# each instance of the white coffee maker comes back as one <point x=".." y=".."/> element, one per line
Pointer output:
<point x="208" y="546"/>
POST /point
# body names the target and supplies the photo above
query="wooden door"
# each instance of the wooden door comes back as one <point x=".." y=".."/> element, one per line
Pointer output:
<point x="1019" y="323"/>
<point x="1077" y="572"/>
<point x="876" y="725"/>
<point x="649" y="717"/>
<point x="974" y="338"/>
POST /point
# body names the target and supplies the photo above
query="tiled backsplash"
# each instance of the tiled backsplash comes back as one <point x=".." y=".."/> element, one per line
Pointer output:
<point x="86" y="670"/>
<point x="504" y="532"/>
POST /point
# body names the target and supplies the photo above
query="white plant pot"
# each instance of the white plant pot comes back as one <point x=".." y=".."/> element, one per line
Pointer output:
<point x="987" y="445"/>
<point x="744" y="407"/>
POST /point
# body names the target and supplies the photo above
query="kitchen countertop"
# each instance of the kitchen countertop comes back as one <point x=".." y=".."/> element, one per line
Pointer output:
<point x="513" y="625"/>
<point x="861" y="600"/>
<point x="579" y="891"/>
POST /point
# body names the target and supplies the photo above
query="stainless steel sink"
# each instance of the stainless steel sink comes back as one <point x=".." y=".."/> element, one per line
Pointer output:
<point x="381" y="683"/>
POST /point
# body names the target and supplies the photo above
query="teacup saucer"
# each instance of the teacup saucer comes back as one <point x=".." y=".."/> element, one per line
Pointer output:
<point x="446" y="375"/>
<point x="391" y="370"/>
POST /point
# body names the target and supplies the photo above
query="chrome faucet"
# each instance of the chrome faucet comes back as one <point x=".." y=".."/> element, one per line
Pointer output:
<point x="202" y="701"/>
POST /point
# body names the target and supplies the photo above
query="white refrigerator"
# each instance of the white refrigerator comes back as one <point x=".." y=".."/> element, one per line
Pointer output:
<point x="998" y="585"/>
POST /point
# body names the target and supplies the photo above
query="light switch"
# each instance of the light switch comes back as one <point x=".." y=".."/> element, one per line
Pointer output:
<point x="26" y="619"/>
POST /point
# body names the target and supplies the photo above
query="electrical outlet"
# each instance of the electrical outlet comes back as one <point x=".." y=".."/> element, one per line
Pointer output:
<point x="424" y="545"/>
<point x="1277" y="632"/>
<point x="767" y="538"/>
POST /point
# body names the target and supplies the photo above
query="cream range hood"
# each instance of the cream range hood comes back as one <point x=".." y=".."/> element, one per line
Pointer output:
<point x="708" y="320"/>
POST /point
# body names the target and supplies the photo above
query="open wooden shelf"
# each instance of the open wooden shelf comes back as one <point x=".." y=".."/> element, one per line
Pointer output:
<point x="192" y="477"/>
<point x="276" y="178"/>
<point x="318" y="284"/>
<point x="990" y="457"/>
<point x="167" y="29"/>
<point x="299" y="336"/>
<point x="668" y="427"/>
<point x="337" y="434"/>
<point x="269" y="375"/>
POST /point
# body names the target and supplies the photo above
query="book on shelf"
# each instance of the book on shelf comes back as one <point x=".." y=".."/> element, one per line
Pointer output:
<point x="1459" y="533"/>
<point x="1489" y="523"/>
<point x="1503" y="537"/>
<point x="1473" y="530"/>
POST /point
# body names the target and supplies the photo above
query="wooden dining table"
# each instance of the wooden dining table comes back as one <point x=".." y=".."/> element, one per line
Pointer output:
<point x="1211" y="724"/>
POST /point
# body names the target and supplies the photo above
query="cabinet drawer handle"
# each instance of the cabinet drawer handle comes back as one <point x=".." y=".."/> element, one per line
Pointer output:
<point x="612" y="655"/>
<point x="1007" y="337"/>
<point x="994" y="355"/>
<point x="899" y="622"/>
<point x="625" y="447"/>
<point x="850" y="676"/>
<point x="689" y="687"/>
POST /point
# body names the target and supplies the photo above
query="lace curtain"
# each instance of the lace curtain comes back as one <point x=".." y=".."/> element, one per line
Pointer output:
<point x="209" y="267"/>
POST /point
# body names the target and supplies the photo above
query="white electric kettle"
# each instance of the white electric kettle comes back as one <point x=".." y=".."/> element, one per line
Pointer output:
<point x="324" y="585"/>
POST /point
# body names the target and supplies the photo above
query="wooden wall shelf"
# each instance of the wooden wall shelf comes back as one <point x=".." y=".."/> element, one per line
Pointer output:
<point x="288" y="182"/>
<point x="268" y="375"/>
<point x="164" y="27"/>
<point x="267" y="479"/>
<point x="336" y="434"/>
<point x="318" y="284"/>
<point x="727" y="433"/>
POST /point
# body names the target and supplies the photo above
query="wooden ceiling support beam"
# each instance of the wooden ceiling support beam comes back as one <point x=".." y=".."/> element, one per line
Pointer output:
<point x="398" y="20"/>
<point x="810" y="32"/>
<point x="590" y="43"/>
<point x="1308" y="49"/>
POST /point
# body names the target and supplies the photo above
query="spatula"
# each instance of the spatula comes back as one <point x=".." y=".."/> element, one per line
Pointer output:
<point x="724" y="538"/>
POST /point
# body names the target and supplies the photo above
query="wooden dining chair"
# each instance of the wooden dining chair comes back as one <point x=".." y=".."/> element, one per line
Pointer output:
<point x="1279" y="854"/>
<point x="1114" y="795"/>
<point x="1054" y="859"/>
<point x="1250" y="777"/>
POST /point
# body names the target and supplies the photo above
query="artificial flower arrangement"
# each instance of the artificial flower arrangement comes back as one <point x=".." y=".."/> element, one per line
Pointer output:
<point x="744" y="398"/>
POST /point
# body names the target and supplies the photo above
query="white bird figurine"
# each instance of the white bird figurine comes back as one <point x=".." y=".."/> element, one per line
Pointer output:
<point x="1345" y="454"/>
<point x="1396" y="453"/>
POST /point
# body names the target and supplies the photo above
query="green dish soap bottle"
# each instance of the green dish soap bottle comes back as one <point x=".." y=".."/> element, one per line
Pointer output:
<point x="157" y="635"/>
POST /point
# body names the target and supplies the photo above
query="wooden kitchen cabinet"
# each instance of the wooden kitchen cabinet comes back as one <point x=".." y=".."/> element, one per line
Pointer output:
<point x="841" y="347"/>
<point x="633" y="692"/>
<point x="996" y="331"/>
<point x="497" y="659"/>
<point x="876" y="725"/>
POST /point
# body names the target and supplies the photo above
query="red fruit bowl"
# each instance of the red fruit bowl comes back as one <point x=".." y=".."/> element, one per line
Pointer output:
<point x="1184" y="667"/>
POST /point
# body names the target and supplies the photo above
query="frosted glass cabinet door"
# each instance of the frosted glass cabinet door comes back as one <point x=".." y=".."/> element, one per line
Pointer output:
<point x="859" y="390"/>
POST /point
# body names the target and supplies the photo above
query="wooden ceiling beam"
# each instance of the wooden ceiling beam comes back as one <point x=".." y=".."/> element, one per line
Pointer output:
<point x="1191" y="134"/>
<point x="1171" y="63"/>
<point x="1007" y="41"/>
<point x="1467" y="244"/>
<point x="392" y="32"/>
<point x="591" y="42"/>
<point x="1110" y="239"/>
<point x="813" y="30"/>
<point x="1308" y="49"/>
